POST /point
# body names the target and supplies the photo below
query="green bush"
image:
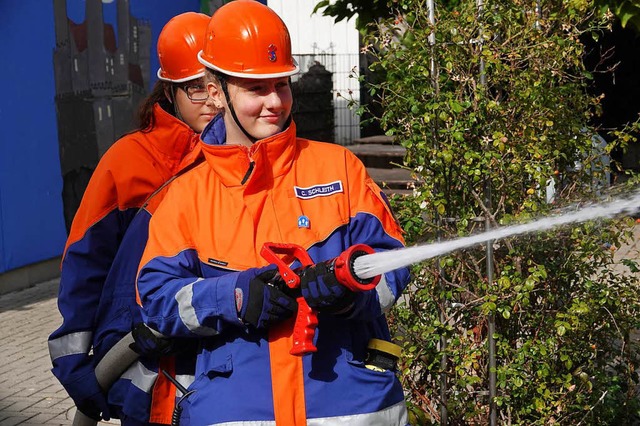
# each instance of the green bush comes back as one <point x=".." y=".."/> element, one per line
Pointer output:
<point x="491" y="112"/>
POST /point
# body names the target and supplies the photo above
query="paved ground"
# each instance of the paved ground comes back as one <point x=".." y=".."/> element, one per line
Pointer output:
<point x="29" y="394"/>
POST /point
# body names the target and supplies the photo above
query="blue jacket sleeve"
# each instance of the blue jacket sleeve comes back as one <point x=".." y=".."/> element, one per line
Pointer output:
<point x="84" y="269"/>
<point x="177" y="301"/>
<point x="118" y="312"/>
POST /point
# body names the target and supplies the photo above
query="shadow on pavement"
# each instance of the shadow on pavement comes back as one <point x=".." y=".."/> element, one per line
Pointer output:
<point x="19" y="300"/>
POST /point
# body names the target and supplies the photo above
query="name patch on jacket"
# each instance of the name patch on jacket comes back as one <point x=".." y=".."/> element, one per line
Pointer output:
<point x="321" y="190"/>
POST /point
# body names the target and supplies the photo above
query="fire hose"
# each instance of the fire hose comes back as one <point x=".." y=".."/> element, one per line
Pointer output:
<point x="121" y="356"/>
<point x="108" y="370"/>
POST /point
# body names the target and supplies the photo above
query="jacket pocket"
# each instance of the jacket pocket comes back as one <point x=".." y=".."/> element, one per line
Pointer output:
<point x="214" y="362"/>
<point x="210" y="368"/>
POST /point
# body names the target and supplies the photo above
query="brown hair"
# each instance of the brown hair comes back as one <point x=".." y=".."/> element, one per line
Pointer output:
<point x="146" y="120"/>
<point x="211" y="76"/>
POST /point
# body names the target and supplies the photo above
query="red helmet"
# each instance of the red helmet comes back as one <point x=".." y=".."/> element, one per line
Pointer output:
<point x="247" y="39"/>
<point x="178" y="45"/>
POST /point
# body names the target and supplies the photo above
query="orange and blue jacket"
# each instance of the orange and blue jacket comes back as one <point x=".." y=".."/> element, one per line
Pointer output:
<point x="212" y="223"/>
<point x="128" y="173"/>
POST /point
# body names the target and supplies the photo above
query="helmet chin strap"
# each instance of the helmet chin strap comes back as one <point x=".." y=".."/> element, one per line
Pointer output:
<point x="225" y="90"/>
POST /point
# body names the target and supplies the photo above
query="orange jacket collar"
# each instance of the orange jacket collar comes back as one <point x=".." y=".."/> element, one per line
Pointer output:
<point x="177" y="137"/>
<point x="271" y="157"/>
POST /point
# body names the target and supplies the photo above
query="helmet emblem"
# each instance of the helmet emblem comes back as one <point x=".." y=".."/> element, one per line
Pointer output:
<point x="272" y="52"/>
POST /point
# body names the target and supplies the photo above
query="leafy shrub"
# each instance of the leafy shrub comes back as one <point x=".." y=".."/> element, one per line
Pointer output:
<point x="493" y="112"/>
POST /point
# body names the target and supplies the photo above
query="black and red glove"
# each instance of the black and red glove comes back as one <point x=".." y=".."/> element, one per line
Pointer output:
<point x="259" y="303"/>
<point x="322" y="291"/>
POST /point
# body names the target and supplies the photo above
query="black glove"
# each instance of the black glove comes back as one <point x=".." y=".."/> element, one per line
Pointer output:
<point x="259" y="303"/>
<point x="89" y="398"/>
<point x="322" y="291"/>
<point x="148" y="344"/>
<point x="95" y="406"/>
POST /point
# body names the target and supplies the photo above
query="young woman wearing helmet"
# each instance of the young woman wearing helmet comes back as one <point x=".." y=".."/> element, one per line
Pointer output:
<point x="202" y="275"/>
<point x="171" y="118"/>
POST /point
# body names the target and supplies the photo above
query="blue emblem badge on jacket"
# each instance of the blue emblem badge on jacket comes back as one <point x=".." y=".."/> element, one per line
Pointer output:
<point x="303" y="222"/>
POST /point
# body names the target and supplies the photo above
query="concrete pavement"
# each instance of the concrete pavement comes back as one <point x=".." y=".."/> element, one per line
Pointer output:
<point x="29" y="394"/>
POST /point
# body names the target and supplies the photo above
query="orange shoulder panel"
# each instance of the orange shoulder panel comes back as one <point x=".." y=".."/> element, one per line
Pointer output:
<point x="370" y="197"/>
<point x="169" y="227"/>
<point x="134" y="167"/>
<point x="124" y="177"/>
<point x="363" y="194"/>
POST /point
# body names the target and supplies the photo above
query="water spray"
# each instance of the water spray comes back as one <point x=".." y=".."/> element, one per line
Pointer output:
<point x="371" y="265"/>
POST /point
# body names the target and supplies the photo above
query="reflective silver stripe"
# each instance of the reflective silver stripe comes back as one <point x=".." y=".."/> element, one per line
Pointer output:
<point x="385" y="295"/>
<point x="70" y="344"/>
<point x="396" y="415"/>
<point x="187" y="312"/>
<point x="140" y="376"/>
<point x="185" y="380"/>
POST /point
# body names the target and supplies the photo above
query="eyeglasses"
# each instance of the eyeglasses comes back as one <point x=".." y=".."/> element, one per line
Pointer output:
<point x="196" y="92"/>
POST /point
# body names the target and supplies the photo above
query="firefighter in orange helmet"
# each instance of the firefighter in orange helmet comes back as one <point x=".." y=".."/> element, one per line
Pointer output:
<point x="202" y="276"/>
<point x="170" y="121"/>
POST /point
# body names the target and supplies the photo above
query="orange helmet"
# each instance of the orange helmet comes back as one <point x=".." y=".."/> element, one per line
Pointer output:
<point x="247" y="39"/>
<point x="178" y="45"/>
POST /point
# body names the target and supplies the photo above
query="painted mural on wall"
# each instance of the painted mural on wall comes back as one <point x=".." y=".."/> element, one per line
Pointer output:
<point x="101" y="75"/>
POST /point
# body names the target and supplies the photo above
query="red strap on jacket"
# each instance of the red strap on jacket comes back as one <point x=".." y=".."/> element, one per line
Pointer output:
<point x="163" y="398"/>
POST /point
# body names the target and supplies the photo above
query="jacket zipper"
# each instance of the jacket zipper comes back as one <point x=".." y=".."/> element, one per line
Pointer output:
<point x="246" y="176"/>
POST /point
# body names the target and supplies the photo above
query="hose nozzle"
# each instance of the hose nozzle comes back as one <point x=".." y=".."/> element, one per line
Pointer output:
<point x="344" y="269"/>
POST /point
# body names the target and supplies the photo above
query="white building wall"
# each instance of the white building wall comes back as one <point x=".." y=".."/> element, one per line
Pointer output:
<point x="314" y="34"/>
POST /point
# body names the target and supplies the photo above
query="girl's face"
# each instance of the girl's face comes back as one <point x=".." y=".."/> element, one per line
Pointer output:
<point x="195" y="107"/>
<point x="262" y="106"/>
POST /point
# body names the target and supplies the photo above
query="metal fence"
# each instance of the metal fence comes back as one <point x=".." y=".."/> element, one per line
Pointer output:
<point x="345" y="92"/>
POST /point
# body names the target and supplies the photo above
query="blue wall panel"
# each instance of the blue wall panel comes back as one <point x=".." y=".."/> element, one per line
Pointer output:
<point x="31" y="219"/>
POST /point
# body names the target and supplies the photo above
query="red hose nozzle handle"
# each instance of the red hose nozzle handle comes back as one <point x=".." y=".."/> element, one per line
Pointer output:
<point x="307" y="319"/>
<point x="304" y="328"/>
